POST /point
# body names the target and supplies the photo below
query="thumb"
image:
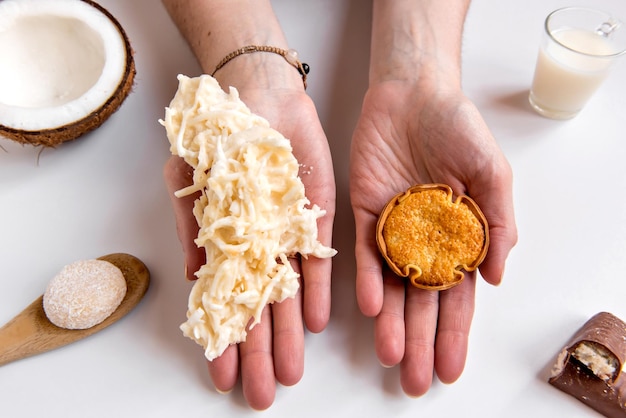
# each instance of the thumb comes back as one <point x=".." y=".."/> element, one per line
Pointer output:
<point x="177" y="175"/>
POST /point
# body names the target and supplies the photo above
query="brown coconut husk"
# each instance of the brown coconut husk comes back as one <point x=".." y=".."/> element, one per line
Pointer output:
<point x="56" y="136"/>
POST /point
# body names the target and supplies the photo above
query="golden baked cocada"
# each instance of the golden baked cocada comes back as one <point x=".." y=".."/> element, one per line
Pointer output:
<point x="425" y="235"/>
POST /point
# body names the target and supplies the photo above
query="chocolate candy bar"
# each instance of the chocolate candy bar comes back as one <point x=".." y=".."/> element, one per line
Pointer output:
<point x="590" y="367"/>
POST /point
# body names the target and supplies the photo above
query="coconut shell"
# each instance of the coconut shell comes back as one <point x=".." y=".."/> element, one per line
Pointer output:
<point x="56" y="136"/>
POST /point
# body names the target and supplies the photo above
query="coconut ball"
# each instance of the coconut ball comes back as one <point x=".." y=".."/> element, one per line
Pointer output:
<point x="83" y="294"/>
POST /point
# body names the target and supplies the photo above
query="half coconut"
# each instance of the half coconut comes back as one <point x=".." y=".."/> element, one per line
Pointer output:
<point x="66" y="66"/>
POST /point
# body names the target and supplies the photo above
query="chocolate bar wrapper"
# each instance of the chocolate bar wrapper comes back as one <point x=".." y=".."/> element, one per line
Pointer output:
<point x="606" y="394"/>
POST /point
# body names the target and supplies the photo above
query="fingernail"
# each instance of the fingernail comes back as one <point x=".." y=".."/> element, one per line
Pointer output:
<point x="501" y="275"/>
<point x="189" y="279"/>
<point x="223" y="392"/>
<point x="386" y="366"/>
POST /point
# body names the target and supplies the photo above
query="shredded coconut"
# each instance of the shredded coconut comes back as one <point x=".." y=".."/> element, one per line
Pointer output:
<point x="598" y="359"/>
<point x="252" y="211"/>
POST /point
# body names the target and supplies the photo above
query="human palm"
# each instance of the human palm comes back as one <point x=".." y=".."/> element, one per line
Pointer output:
<point x="409" y="135"/>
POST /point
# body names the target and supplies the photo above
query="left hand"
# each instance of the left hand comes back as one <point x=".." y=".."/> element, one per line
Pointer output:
<point x="274" y="349"/>
<point x="411" y="133"/>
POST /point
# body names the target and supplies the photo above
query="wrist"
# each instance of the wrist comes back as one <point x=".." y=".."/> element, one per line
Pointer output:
<point x="417" y="42"/>
<point x="215" y="28"/>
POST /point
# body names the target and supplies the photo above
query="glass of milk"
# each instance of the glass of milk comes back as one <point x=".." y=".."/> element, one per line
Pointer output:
<point x="579" y="46"/>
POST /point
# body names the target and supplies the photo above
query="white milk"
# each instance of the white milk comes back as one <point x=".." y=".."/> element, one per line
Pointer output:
<point x="564" y="79"/>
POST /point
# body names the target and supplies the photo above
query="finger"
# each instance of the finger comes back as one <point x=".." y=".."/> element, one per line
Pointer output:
<point x="496" y="201"/>
<point x="288" y="340"/>
<point x="257" y="367"/>
<point x="389" y="326"/>
<point x="453" y="327"/>
<point x="369" y="283"/>
<point x="502" y="240"/>
<point x="177" y="175"/>
<point x="316" y="279"/>
<point x="321" y="191"/>
<point x="416" y="369"/>
<point x="224" y="370"/>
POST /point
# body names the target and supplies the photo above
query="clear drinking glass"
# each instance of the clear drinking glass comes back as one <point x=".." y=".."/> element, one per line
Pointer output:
<point x="578" y="48"/>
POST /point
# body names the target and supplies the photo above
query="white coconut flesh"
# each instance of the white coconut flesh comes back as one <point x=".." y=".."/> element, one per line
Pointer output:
<point x="62" y="62"/>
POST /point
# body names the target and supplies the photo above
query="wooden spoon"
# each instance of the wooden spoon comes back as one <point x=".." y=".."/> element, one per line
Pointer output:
<point x="31" y="332"/>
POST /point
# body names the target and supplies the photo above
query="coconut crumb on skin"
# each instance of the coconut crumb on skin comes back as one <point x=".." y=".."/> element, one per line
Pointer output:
<point x="306" y="169"/>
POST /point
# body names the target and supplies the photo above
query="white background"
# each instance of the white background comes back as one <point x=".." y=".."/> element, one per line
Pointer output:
<point x="104" y="193"/>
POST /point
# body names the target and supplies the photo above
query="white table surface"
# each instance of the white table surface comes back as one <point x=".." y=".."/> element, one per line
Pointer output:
<point x="104" y="193"/>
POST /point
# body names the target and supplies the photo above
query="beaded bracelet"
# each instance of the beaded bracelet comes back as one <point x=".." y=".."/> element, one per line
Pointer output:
<point x="290" y="55"/>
